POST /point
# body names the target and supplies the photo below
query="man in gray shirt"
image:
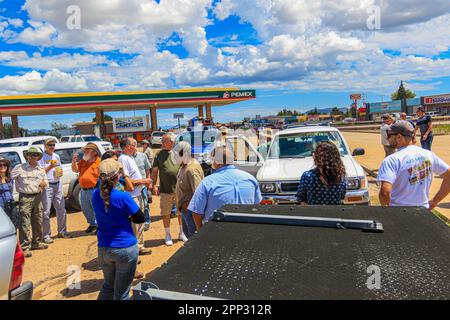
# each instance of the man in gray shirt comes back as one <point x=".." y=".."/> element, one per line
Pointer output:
<point x="387" y="121"/>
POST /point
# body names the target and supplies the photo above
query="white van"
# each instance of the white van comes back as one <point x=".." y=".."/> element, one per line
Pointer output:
<point x="87" y="138"/>
<point x="25" y="141"/>
<point x="69" y="180"/>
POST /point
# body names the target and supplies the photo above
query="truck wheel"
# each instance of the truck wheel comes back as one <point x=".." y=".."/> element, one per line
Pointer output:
<point x="75" y="201"/>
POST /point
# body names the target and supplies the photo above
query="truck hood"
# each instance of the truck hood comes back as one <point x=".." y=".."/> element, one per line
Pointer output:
<point x="292" y="169"/>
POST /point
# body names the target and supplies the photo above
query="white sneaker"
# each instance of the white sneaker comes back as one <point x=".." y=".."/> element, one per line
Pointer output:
<point x="182" y="237"/>
<point x="169" y="241"/>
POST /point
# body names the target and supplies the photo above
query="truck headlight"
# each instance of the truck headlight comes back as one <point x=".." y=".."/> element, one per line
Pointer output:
<point x="268" y="187"/>
<point x="356" y="183"/>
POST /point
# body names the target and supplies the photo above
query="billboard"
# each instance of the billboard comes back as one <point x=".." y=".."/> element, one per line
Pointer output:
<point x="437" y="99"/>
<point x="130" y="124"/>
<point x="355" y="96"/>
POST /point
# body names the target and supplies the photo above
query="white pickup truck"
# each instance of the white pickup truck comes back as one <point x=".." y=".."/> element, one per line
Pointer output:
<point x="69" y="180"/>
<point x="289" y="155"/>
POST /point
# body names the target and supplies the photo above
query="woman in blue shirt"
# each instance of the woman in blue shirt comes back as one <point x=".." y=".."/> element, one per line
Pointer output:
<point x="325" y="184"/>
<point x="6" y="191"/>
<point x="117" y="244"/>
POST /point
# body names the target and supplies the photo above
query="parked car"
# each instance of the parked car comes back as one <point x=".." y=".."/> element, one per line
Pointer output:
<point x="87" y="138"/>
<point x="290" y="154"/>
<point x="156" y="138"/>
<point x="24" y="141"/>
<point x="69" y="180"/>
<point x="12" y="261"/>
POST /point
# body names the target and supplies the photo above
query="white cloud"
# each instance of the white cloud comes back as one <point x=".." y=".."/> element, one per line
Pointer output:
<point x="34" y="82"/>
<point x="64" y="62"/>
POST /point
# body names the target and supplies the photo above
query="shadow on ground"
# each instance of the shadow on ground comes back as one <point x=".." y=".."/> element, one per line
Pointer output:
<point x="83" y="287"/>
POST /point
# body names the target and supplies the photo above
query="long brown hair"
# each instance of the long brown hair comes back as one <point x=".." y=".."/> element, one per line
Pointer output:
<point x="329" y="163"/>
<point x="8" y="170"/>
<point x="107" y="183"/>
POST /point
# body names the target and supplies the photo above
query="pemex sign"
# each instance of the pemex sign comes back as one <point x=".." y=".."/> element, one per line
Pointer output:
<point x="239" y="94"/>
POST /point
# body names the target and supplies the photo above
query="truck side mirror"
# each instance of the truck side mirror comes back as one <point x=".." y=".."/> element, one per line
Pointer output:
<point x="358" y="152"/>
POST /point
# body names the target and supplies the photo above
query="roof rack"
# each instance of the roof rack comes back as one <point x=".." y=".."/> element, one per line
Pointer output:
<point x="304" y="221"/>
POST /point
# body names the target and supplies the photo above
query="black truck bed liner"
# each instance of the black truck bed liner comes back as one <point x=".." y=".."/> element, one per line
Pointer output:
<point x="231" y="260"/>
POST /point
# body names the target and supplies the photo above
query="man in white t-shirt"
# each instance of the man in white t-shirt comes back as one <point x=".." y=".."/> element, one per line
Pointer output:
<point x="131" y="169"/>
<point x="406" y="175"/>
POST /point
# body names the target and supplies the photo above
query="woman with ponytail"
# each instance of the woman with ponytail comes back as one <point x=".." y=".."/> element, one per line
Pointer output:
<point x="325" y="184"/>
<point x="117" y="244"/>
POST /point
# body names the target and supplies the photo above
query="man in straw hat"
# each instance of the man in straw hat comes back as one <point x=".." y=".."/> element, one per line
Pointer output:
<point x="88" y="179"/>
<point x="30" y="180"/>
<point x="53" y="194"/>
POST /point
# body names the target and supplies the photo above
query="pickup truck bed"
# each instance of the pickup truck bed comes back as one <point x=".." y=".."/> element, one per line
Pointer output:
<point x="231" y="260"/>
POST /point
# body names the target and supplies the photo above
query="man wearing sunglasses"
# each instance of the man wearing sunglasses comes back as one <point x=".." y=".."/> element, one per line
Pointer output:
<point x="30" y="180"/>
<point x="406" y="175"/>
<point x="53" y="194"/>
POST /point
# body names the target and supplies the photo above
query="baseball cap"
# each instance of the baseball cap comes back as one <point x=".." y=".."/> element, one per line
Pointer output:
<point x="386" y="116"/>
<point x="110" y="167"/>
<point x="145" y="142"/>
<point x="91" y="146"/>
<point x="420" y="109"/>
<point x="403" y="127"/>
<point x="47" y="141"/>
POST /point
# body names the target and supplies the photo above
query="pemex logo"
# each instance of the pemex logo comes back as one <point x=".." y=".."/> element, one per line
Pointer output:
<point x="226" y="95"/>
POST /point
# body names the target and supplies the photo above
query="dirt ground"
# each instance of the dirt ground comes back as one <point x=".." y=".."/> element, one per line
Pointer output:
<point x="74" y="260"/>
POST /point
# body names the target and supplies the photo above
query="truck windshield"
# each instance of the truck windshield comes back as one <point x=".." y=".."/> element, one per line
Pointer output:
<point x="301" y="145"/>
<point x="198" y="138"/>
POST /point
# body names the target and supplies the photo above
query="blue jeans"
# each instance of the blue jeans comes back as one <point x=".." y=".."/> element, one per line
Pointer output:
<point x="426" y="144"/>
<point x="119" y="266"/>
<point x="188" y="223"/>
<point x="86" y="206"/>
<point x="146" y="205"/>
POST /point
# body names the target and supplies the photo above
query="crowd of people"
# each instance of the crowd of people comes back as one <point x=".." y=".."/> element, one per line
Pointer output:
<point x="117" y="188"/>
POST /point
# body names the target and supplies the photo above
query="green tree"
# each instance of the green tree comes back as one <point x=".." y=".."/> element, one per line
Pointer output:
<point x="402" y="93"/>
<point x="336" y="112"/>
<point x="106" y="117"/>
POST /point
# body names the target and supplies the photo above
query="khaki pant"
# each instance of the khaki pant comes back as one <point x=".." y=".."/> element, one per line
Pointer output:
<point x="31" y="213"/>
<point x="166" y="202"/>
<point x="138" y="229"/>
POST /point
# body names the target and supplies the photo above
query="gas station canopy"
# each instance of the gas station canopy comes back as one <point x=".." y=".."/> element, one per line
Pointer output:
<point x="29" y="105"/>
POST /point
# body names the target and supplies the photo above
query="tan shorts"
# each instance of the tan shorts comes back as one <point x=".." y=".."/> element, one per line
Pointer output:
<point x="166" y="202"/>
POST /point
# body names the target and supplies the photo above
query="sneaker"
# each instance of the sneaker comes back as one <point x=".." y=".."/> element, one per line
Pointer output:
<point x="182" y="237"/>
<point x="48" y="240"/>
<point x="64" y="235"/>
<point x="169" y="241"/>
<point x="147" y="227"/>
<point x="39" y="246"/>
<point x="91" y="229"/>
<point x="27" y="254"/>
<point x="138" y="275"/>
<point x="145" y="251"/>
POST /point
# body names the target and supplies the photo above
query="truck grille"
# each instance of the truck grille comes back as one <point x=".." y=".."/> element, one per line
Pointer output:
<point x="289" y="187"/>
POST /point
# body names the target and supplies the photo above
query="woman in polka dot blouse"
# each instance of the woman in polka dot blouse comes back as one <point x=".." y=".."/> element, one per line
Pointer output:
<point x="325" y="184"/>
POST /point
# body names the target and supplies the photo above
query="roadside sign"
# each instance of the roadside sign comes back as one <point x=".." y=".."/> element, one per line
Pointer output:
<point x="355" y="96"/>
<point x="178" y="115"/>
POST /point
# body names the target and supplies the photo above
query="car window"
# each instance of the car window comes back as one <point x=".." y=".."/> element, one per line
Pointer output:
<point x="92" y="138"/>
<point x="13" y="144"/>
<point x="64" y="139"/>
<point x="67" y="154"/>
<point x="11" y="156"/>
<point x="158" y="134"/>
<point x="39" y="142"/>
<point x="300" y="145"/>
<point x="79" y="139"/>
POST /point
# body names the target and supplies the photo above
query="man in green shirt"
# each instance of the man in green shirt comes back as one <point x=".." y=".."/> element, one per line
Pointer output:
<point x="167" y="170"/>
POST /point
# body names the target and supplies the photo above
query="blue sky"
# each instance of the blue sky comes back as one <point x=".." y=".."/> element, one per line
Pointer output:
<point x="297" y="55"/>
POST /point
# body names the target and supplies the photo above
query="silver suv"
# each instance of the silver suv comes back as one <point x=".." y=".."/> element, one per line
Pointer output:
<point x="11" y="264"/>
